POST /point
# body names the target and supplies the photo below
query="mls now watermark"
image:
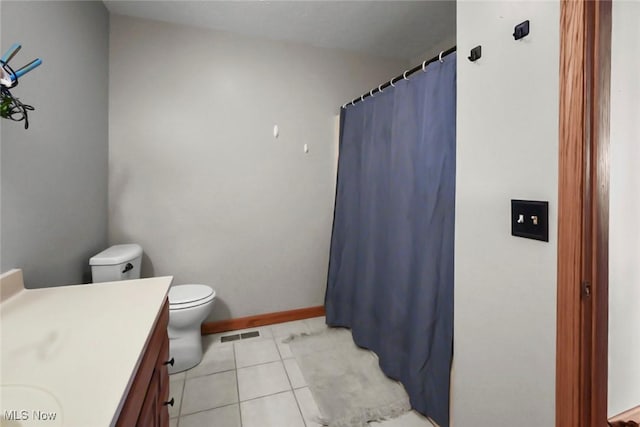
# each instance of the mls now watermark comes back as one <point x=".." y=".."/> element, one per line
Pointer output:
<point x="29" y="415"/>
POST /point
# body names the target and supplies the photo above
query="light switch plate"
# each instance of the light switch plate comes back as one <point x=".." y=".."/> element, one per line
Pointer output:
<point x="530" y="219"/>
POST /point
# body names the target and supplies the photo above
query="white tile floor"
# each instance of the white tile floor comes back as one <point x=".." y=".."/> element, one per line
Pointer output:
<point x="254" y="382"/>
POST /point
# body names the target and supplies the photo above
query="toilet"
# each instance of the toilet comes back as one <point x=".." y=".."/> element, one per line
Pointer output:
<point x="119" y="262"/>
<point x="189" y="304"/>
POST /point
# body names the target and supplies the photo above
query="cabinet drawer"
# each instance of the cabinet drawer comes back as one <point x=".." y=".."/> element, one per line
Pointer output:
<point x="149" y="413"/>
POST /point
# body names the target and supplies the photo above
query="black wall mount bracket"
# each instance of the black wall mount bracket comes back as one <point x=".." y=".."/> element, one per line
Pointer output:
<point x="476" y="53"/>
<point x="521" y="30"/>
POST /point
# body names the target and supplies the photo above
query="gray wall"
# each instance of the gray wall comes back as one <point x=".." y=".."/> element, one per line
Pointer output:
<point x="624" y="231"/>
<point x="196" y="176"/>
<point x="505" y="286"/>
<point x="54" y="175"/>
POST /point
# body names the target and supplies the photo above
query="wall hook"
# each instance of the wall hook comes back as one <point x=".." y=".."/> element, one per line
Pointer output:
<point x="521" y="30"/>
<point x="476" y="53"/>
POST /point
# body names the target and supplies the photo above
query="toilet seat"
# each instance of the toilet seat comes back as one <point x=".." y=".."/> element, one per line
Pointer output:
<point x="189" y="296"/>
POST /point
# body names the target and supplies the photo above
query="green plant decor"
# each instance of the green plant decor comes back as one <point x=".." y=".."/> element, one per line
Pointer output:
<point x="5" y="106"/>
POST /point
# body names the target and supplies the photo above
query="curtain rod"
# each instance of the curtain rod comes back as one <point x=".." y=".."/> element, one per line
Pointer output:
<point x="402" y="76"/>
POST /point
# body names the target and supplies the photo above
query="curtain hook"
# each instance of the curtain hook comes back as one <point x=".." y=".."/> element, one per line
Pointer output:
<point x="361" y="97"/>
<point x="344" y="105"/>
<point x="391" y="82"/>
<point x="380" y="88"/>
<point x="440" y="56"/>
<point x="352" y="102"/>
<point x="404" y="75"/>
<point x="371" y="93"/>
<point x="424" y="63"/>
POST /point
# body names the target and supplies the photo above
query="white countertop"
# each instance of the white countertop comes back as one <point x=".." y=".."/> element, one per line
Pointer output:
<point x="73" y="350"/>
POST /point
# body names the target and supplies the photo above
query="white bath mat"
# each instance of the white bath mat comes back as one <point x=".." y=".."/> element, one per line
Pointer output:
<point x="346" y="381"/>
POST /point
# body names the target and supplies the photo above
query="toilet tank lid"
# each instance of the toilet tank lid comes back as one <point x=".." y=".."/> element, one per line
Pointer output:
<point x="117" y="254"/>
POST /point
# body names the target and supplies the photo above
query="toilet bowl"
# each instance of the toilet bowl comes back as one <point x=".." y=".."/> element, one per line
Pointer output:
<point x="189" y="305"/>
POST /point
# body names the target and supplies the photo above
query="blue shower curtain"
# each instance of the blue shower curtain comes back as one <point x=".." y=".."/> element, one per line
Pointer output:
<point x="391" y="265"/>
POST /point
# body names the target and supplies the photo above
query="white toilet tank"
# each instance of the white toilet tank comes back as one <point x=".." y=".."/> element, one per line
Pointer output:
<point x="119" y="262"/>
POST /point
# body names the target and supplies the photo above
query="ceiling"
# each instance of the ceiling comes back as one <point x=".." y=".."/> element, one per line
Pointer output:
<point x="393" y="29"/>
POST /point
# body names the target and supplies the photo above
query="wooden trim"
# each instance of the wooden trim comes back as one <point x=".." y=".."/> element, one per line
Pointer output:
<point x="570" y="213"/>
<point x="630" y="418"/>
<point x="583" y="199"/>
<point x="261" y="320"/>
<point x="599" y="262"/>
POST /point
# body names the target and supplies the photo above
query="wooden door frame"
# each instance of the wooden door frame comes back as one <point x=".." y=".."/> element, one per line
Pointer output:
<point x="583" y="214"/>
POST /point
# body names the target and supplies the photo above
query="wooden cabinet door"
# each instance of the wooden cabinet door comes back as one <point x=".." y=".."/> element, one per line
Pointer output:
<point x="145" y="404"/>
<point x="163" y="384"/>
<point x="149" y="412"/>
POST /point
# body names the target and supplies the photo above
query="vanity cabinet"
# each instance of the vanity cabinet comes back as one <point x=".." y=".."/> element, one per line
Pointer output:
<point x="119" y="329"/>
<point x="148" y="397"/>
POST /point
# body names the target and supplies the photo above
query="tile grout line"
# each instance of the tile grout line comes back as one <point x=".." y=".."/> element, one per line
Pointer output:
<point x="236" y="368"/>
<point x="278" y="348"/>
<point x="277" y="392"/>
<point x="264" y="363"/>
<point x="259" y="364"/>
<point x="211" y="373"/>
<point x="209" y="409"/>
<point x="266" y="395"/>
<point x="281" y="392"/>
<point x="181" y="400"/>
<point x="235" y="363"/>
<point x="295" y="397"/>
